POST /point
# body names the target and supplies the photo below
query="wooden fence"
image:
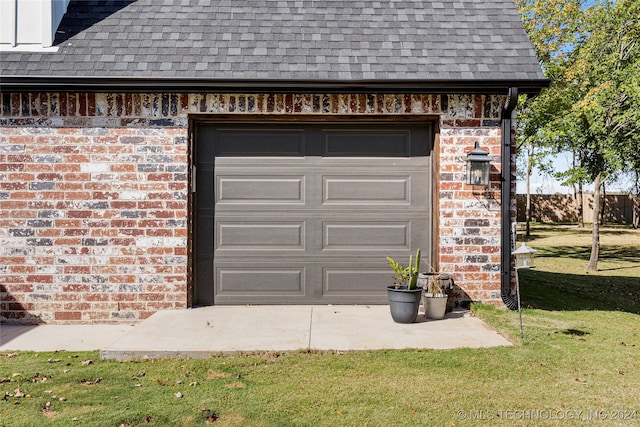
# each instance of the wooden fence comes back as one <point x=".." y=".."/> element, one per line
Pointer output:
<point x="618" y="208"/>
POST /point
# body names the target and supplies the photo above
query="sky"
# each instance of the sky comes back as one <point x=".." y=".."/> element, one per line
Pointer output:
<point x="546" y="184"/>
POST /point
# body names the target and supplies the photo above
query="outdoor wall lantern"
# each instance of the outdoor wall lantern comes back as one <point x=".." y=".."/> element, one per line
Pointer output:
<point x="525" y="257"/>
<point x="478" y="166"/>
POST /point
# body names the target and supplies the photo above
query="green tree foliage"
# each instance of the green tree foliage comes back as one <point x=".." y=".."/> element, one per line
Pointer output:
<point x="592" y="56"/>
<point x="606" y="73"/>
<point x="554" y="27"/>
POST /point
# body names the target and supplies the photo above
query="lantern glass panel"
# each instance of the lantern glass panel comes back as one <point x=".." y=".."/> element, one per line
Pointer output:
<point x="524" y="260"/>
<point x="478" y="172"/>
<point x="525" y="257"/>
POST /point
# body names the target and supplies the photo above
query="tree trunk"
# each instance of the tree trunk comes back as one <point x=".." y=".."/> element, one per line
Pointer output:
<point x="580" y="195"/>
<point x="603" y="204"/>
<point x="636" y="211"/>
<point x="527" y="212"/>
<point x="580" y="202"/>
<point x="595" y="236"/>
<point x="636" y="203"/>
<point x="578" y="198"/>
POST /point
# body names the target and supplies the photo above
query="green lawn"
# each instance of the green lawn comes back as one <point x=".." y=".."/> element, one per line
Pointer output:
<point x="560" y="282"/>
<point x="579" y="361"/>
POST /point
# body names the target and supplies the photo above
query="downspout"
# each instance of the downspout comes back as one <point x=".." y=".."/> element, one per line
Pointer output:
<point x="505" y="193"/>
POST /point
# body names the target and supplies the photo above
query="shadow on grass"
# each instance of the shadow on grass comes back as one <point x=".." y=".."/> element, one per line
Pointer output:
<point x="558" y="291"/>
<point x="544" y="231"/>
<point x="607" y="227"/>
<point x="618" y="253"/>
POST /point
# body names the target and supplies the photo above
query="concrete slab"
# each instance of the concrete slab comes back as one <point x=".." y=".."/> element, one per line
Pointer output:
<point x="371" y="328"/>
<point x="206" y="331"/>
<point x="201" y="332"/>
<point x="59" y="337"/>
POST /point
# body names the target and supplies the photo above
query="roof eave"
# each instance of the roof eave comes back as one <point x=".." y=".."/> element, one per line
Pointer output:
<point x="150" y="84"/>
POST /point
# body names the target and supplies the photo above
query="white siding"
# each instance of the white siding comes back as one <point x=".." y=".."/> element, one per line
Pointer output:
<point x="30" y="24"/>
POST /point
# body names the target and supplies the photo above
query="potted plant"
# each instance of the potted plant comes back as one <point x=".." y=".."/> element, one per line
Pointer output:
<point x="435" y="296"/>
<point x="404" y="294"/>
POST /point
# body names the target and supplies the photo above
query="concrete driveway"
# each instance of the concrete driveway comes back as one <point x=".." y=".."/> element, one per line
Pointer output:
<point x="202" y="332"/>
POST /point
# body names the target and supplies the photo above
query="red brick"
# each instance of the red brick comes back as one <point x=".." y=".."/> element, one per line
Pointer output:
<point x="132" y="306"/>
<point x="12" y="167"/>
<point x="159" y="232"/>
<point x="125" y="167"/>
<point x="76" y="232"/>
<point x="163" y="289"/>
<point x="68" y="223"/>
<point x="42" y="278"/>
<point x="145" y="314"/>
<point x="83" y="177"/>
<point x="151" y="297"/>
<point x="122" y="278"/>
<point x="68" y="315"/>
<point x="96" y="297"/>
<point x="151" y="223"/>
<point x="68" y="187"/>
<point x="159" y="305"/>
<point x="67" y="297"/>
<point x="123" y="297"/>
<point x="77" y="269"/>
<point x="19" y="268"/>
<point x="159" y="251"/>
<point x="48" y="232"/>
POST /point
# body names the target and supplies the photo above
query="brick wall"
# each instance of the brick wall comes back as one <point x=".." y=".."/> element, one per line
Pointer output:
<point x="94" y="195"/>
<point x="470" y="217"/>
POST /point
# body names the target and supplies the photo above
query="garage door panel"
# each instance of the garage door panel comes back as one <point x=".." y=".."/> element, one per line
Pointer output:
<point x="247" y="280"/>
<point x="362" y="143"/>
<point x="340" y="281"/>
<point x="261" y="142"/>
<point x="366" y="189"/>
<point x="358" y="236"/>
<point x="260" y="189"/>
<point x="274" y="235"/>
<point x="308" y="216"/>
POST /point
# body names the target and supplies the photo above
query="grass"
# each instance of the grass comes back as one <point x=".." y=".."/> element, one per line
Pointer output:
<point x="578" y="362"/>
<point x="560" y="281"/>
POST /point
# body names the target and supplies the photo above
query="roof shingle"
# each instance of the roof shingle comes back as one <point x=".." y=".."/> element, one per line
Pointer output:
<point x="400" y="40"/>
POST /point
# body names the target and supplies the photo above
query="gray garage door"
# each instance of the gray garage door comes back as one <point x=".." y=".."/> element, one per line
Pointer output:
<point x="306" y="214"/>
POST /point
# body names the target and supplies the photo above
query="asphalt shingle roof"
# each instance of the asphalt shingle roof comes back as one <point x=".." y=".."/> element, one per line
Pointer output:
<point x="302" y="40"/>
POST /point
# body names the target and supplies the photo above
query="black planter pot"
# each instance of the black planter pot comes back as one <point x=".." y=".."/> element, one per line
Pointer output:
<point x="404" y="303"/>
